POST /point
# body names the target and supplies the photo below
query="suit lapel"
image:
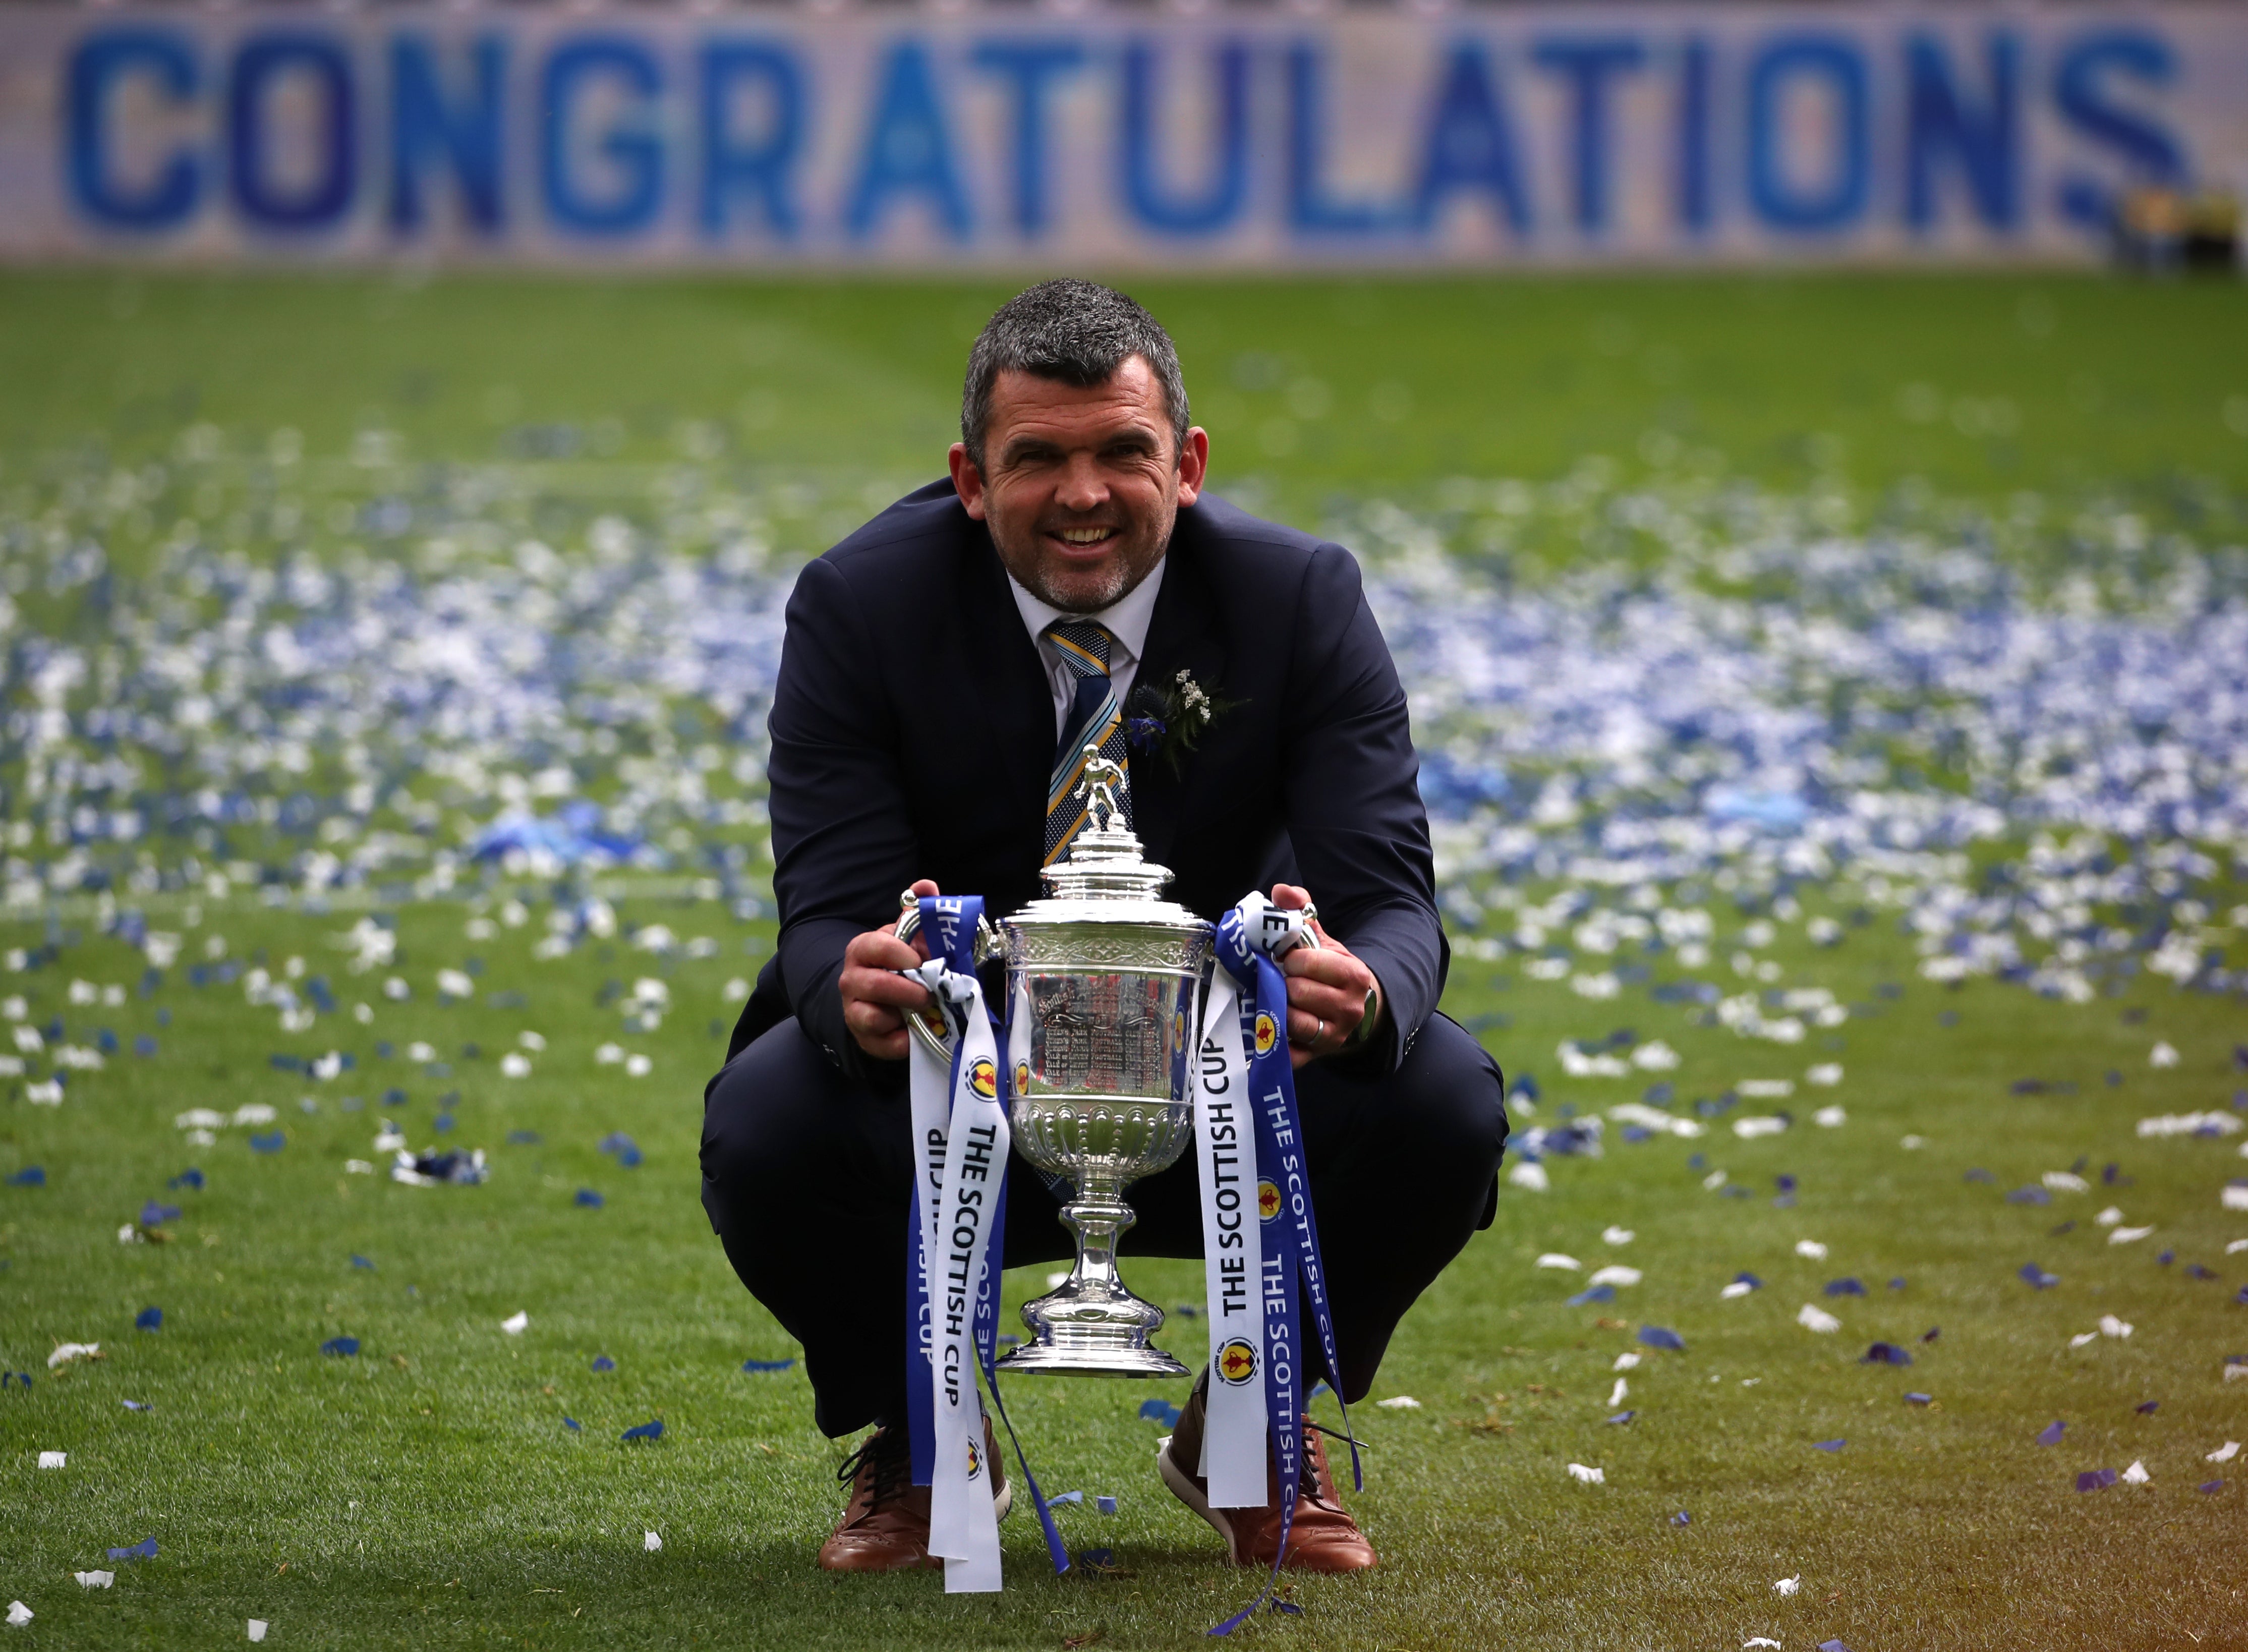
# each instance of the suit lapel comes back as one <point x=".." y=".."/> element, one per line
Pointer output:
<point x="1015" y="705"/>
<point x="1182" y="635"/>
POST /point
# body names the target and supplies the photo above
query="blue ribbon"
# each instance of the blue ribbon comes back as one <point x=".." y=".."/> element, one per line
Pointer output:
<point x="1282" y="1166"/>
<point x="949" y="922"/>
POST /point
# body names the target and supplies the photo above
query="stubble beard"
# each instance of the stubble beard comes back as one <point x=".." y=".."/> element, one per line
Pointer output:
<point x="1115" y="582"/>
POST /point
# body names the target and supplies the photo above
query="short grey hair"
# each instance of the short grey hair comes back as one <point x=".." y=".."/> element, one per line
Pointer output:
<point x="1078" y="332"/>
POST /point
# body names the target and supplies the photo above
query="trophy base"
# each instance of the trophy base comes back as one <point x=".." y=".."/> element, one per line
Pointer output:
<point x="1044" y="1359"/>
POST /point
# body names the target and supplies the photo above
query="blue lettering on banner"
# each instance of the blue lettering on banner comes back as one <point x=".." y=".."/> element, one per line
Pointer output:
<point x="908" y="148"/>
<point x="1032" y="69"/>
<point x="263" y="64"/>
<point x="465" y="134"/>
<point x="762" y="169"/>
<point x="1227" y="187"/>
<point x="630" y="144"/>
<point x="1590" y="67"/>
<point x="1695" y="208"/>
<point x="96" y="67"/>
<point x="1981" y="137"/>
<point x="1784" y="127"/>
<point x="1310" y="210"/>
<point x="2079" y="92"/>
<point x="1470" y="144"/>
<point x="1800" y="62"/>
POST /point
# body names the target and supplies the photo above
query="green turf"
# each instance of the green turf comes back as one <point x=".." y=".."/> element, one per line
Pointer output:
<point x="427" y="1492"/>
<point x="1980" y="384"/>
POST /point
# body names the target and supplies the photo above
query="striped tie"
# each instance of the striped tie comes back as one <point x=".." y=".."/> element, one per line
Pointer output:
<point x="1095" y="719"/>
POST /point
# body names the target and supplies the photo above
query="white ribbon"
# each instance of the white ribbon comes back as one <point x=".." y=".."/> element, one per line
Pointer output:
<point x="1225" y="1151"/>
<point x="956" y="1111"/>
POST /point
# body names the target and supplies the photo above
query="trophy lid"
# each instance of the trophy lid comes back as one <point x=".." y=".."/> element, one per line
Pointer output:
<point x="1104" y="878"/>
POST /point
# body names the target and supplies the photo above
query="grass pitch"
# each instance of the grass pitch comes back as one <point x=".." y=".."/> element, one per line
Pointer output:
<point x="428" y="1491"/>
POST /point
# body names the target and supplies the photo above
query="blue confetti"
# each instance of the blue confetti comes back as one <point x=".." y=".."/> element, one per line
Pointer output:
<point x="1623" y="1416"/>
<point x="130" y="1405"/>
<point x="342" y="1347"/>
<point x="1896" y="1284"/>
<point x="31" y="1176"/>
<point x="602" y="1363"/>
<point x="1846" y="1287"/>
<point x="361" y="1262"/>
<point x="649" y="1430"/>
<point x="1655" y="1336"/>
<point x="189" y="1177"/>
<point x="272" y="1141"/>
<point x="1931" y="1333"/>
<point x="767" y="1365"/>
<point x="1591" y="1294"/>
<point x="144" y="1550"/>
<point x="1885" y="1353"/>
<point x="1833" y="1646"/>
<point x="1981" y="1176"/>
<point x="2038" y="1277"/>
<point x="1681" y="1518"/>
<point x="1159" y="1411"/>
<point x="1828" y="1445"/>
<point x="572" y="1424"/>
<point x="1750" y="1280"/>
<point x="525" y="1138"/>
<point x="2095" y="1479"/>
<point x="589" y="1199"/>
<point x="148" y="1320"/>
<point x="1106" y="1505"/>
<point x="2147" y="1408"/>
<point x="154" y="1214"/>
<point x="2050" y="1435"/>
<point x="144" y="1045"/>
<point x="1055" y="1499"/>
<point x="2031" y="1195"/>
<point x="1919" y="1399"/>
<point x="2210" y="1488"/>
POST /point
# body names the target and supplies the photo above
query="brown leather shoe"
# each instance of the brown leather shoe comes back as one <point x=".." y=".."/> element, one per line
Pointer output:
<point x="1321" y="1538"/>
<point x="885" y="1526"/>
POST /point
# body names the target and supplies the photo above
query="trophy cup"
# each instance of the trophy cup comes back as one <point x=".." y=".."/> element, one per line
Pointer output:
<point x="1104" y="978"/>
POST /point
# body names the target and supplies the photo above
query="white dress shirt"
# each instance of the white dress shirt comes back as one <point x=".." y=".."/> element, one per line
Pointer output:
<point x="1127" y="620"/>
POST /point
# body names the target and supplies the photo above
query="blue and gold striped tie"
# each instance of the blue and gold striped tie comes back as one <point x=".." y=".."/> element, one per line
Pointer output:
<point x="1095" y="719"/>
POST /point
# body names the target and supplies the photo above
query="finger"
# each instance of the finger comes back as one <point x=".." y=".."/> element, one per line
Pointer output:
<point x="882" y="988"/>
<point x="924" y="887"/>
<point x="880" y="950"/>
<point x="1291" y="897"/>
<point x="1336" y="969"/>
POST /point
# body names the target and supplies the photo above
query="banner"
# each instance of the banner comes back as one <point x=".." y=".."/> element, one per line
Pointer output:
<point x="1479" y="136"/>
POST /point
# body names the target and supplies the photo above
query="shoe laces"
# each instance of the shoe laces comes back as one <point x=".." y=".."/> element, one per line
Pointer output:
<point x="887" y="1463"/>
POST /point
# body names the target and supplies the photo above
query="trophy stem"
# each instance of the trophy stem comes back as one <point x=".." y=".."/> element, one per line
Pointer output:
<point x="1093" y="1325"/>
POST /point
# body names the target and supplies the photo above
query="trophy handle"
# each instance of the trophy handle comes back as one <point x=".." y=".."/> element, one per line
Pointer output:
<point x="928" y="1024"/>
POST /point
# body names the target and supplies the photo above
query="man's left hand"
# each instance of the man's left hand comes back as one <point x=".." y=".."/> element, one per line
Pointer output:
<point x="1327" y="989"/>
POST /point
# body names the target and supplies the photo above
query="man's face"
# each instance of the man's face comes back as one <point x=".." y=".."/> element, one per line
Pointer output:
<point x="1080" y="487"/>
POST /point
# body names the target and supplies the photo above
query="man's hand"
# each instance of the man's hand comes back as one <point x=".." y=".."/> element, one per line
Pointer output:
<point x="876" y="998"/>
<point x="1327" y="989"/>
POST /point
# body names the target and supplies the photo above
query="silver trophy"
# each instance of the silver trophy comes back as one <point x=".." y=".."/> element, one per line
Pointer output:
<point x="1103" y="982"/>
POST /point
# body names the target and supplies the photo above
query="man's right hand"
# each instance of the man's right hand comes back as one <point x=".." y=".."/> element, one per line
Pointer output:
<point x="876" y="998"/>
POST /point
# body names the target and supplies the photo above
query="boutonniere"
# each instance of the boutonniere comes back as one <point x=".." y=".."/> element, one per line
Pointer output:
<point x="1167" y="721"/>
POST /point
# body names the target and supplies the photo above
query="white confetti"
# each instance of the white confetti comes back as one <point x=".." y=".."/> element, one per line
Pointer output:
<point x="2136" y="1475"/>
<point x="1585" y="1475"/>
<point x="1399" y="1403"/>
<point x="516" y="1323"/>
<point x="2128" y="1236"/>
<point x="638" y="1066"/>
<point x="2224" y="1453"/>
<point x="1756" y="1124"/>
<point x="649" y="1541"/>
<point x="1826" y="1074"/>
<point x="1810" y="1250"/>
<point x="68" y="1350"/>
<point x="1815" y="1317"/>
<point x="18" y="1614"/>
<point x="54" y="1459"/>
<point x="1617" y="1394"/>
<point x="2110" y="1325"/>
<point x="2109" y="1217"/>
<point x="1614" y="1235"/>
<point x="1616" y="1273"/>
<point x="2066" y="1182"/>
<point x="1530" y="1175"/>
<point x="257" y="1627"/>
<point x="1788" y="1585"/>
<point x="1830" y="1117"/>
<point x="1734" y="1291"/>
<point x="2163" y="1055"/>
<point x="1628" y="1360"/>
<point x="514" y="1065"/>
<point x="94" y="1579"/>
<point x="2083" y="1339"/>
<point x="1555" y="1259"/>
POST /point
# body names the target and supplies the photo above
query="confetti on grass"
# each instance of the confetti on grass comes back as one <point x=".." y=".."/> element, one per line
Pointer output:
<point x="781" y="1365"/>
<point x="652" y="1429"/>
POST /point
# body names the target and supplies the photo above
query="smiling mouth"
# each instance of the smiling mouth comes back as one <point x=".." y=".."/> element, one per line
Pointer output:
<point x="1083" y="538"/>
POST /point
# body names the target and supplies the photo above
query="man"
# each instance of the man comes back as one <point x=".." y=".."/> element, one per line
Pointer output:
<point x="944" y="668"/>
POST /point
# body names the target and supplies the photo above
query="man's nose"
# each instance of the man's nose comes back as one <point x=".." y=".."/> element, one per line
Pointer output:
<point x="1083" y="487"/>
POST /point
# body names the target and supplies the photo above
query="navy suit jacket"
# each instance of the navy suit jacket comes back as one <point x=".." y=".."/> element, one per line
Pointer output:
<point x="913" y="733"/>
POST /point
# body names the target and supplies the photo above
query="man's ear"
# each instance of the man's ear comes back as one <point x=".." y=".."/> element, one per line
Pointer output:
<point x="967" y="480"/>
<point x="1193" y="464"/>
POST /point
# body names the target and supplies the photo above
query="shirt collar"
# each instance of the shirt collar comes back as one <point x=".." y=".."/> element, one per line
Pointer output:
<point x="1126" y="619"/>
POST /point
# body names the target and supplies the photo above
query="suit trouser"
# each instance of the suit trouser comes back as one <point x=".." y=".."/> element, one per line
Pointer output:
<point x="806" y="1174"/>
